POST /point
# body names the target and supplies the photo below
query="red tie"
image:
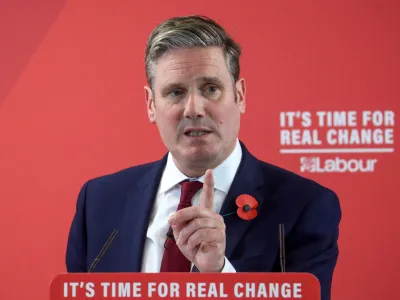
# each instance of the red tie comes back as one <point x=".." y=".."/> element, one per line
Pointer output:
<point x="173" y="259"/>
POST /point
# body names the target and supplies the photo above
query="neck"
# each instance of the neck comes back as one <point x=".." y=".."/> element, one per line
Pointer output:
<point x="194" y="170"/>
<point x="198" y="168"/>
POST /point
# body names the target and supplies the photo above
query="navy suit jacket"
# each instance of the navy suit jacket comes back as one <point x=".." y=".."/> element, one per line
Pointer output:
<point x="124" y="200"/>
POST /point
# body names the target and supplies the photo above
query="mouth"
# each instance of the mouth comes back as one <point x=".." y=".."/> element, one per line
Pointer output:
<point x="197" y="132"/>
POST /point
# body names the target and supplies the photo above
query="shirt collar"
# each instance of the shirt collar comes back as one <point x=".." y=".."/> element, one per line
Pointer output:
<point x="223" y="174"/>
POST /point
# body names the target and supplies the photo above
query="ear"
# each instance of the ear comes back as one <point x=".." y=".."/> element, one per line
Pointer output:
<point x="151" y="109"/>
<point x="241" y="95"/>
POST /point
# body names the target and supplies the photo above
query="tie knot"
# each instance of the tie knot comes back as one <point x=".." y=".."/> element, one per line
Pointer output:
<point x="189" y="189"/>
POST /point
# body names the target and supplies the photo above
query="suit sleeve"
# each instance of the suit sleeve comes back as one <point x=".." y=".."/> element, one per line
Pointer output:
<point x="76" y="246"/>
<point x="312" y="246"/>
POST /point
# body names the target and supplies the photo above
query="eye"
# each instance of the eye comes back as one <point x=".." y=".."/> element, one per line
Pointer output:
<point x="211" y="89"/>
<point x="175" y="93"/>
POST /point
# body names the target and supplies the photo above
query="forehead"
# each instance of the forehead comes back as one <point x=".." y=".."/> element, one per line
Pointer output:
<point x="190" y="64"/>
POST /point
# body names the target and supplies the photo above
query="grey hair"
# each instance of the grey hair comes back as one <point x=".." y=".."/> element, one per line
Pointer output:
<point x="190" y="32"/>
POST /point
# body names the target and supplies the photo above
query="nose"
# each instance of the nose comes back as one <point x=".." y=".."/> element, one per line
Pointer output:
<point x="194" y="107"/>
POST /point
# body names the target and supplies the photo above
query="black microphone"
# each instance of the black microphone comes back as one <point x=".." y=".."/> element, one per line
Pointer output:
<point x="103" y="250"/>
<point x="282" y="247"/>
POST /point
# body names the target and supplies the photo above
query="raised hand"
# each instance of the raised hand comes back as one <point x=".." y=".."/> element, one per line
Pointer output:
<point x="199" y="232"/>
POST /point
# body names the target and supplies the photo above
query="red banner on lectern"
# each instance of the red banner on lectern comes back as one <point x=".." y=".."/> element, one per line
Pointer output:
<point x="155" y="286"/>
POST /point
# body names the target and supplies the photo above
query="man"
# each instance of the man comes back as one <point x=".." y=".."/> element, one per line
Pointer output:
<point x="179" y="213"/>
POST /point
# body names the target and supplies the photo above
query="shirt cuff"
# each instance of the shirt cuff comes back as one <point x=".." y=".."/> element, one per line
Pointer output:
<point x="228" y="268"/>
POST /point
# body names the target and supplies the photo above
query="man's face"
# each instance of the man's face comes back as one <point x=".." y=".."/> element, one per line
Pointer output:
<point x="193" y="104"/>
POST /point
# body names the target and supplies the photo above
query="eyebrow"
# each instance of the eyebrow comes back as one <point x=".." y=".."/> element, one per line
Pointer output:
<point x="211" y="79"/>
<point x="169" y="86"/>
<point x="203" y="79"/>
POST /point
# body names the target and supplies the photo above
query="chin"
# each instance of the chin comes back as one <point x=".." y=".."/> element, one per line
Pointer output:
<point x="199" y="154"/>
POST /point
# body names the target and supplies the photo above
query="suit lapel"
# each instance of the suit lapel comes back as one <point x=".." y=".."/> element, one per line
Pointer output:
<point x="136" y="217"/>
<point x="140" y="199"/>
<point x="248" y="179"/>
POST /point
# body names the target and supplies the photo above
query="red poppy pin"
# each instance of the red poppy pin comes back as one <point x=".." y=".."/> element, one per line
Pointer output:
<point x="246" y="207"/>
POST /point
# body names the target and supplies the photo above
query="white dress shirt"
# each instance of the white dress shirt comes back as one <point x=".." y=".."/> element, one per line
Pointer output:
<point x="167" y="200"/>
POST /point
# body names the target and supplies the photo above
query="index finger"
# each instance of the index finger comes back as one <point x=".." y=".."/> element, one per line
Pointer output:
<point x="207" y="194"/>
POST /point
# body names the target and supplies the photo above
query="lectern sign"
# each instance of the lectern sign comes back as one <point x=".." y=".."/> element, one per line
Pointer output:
<point x="79" y="286"/>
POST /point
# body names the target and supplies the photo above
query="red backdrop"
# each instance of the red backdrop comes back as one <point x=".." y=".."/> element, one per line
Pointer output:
<point x="72" y="107"/>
